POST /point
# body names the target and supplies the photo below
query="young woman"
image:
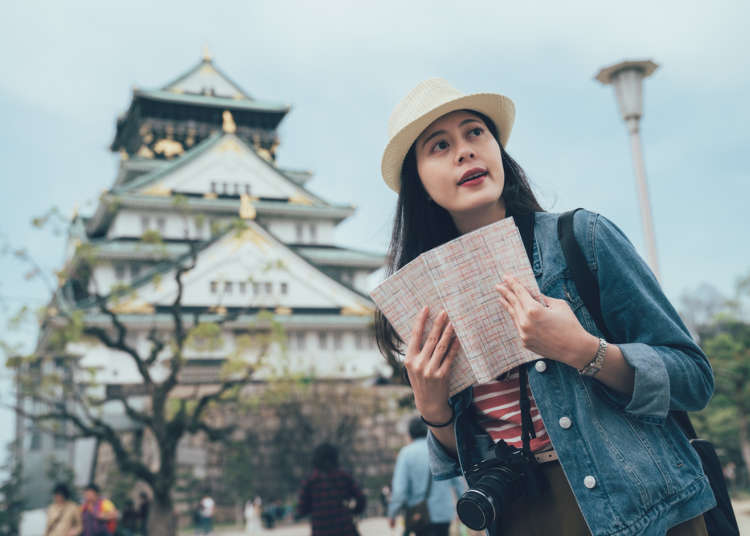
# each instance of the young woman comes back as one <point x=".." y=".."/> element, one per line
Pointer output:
<point x="327" y="496"/>
<point x="615" y="461"/>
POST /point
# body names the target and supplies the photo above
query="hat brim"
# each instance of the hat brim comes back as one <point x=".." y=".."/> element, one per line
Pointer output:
<point x="499" y="108"/>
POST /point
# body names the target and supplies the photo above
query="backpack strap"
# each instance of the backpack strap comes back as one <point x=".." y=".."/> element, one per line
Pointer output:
<point x="588" y="289"/>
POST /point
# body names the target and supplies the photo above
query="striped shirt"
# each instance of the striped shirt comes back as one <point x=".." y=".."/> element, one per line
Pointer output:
<point x="499" y="412"/>
<point x="325" y="498"/>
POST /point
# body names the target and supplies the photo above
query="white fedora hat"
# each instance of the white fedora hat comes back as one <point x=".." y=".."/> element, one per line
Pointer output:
<point x="424" y="104"/>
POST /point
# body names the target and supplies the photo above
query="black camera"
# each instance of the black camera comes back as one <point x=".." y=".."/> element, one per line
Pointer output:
<point x="495" y="483"/>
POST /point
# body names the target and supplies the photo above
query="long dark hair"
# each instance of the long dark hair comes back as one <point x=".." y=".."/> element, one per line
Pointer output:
<point x="421" y="224"/>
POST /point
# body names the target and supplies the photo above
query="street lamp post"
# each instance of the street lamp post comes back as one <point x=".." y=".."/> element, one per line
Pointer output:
<point x="627" y="78"/>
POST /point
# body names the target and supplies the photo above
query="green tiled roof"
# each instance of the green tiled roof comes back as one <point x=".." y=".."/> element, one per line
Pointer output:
<point x="214" y="101"/>
<point x="336" y="256"/>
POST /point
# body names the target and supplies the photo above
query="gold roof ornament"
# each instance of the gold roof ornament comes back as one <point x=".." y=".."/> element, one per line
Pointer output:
<point x="168" y="148"/>
<point x="247" y="210"/>
<point x="264" y="153"/>
<point x="157" y="190"/>
<point x="132" y="306"/>
<point x="75" y="212"/>
<point x="206" y="54"/>
<point x="124" y="154"/>
<point x="299" y="199"/>
<point x="229" y="126"/>
<point x="145" y="152"/>
<point x="283" y="311"/>
<point x="356" y="310"/>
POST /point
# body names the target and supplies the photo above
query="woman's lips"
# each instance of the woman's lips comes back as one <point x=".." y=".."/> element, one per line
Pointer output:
<point x="479" y="179"/>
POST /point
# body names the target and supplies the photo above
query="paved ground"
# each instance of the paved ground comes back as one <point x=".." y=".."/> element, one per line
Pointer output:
<point x="378" y="526"/>
<point x="373" y="526"/>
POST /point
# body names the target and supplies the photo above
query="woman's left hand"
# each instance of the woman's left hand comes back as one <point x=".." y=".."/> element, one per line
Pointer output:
<point x="552" y="331"/>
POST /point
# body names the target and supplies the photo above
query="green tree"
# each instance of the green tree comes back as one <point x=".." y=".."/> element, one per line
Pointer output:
<point x="724" y="333"/>
<point x="66" y="400"/>
<point x="11" y="500"/>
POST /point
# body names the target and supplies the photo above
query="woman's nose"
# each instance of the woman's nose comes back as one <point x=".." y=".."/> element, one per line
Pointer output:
<point x="465" y="154"/>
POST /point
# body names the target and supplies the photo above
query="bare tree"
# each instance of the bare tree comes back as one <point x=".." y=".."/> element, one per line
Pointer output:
<point x="68" y="401"/>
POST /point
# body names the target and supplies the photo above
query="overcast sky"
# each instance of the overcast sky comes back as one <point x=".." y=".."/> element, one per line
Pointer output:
<point x="69" y="69"/>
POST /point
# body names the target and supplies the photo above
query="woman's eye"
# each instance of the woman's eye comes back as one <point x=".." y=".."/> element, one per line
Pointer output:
<point x="439" y="146"/>
<point x="476" y="131"/>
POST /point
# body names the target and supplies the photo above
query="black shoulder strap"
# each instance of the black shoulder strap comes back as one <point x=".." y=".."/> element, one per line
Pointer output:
<point x="588" y="289"/>
<point x="585" y="282"/>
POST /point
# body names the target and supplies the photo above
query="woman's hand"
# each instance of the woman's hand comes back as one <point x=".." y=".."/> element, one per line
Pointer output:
<point x="428" y="366"/>
<point x="551" y="331"/>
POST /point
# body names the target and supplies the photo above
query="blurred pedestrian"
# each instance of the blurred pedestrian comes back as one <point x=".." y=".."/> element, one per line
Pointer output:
<point x="99" y="515"/>
<point x="413" y="484"/>
<point x="143" y="510"/>
<point x="206" y="509"/>
<point x="63" y="515"/>
<point x="327" y="496"/>
<point x="253" y="512"/>
<point x="129" y="521"/>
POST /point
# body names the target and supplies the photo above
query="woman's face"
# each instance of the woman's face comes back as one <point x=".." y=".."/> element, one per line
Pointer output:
<point x="460" y="164"/>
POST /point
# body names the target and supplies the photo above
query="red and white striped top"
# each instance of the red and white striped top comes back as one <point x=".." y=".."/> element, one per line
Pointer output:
<point x="500" y="413"/>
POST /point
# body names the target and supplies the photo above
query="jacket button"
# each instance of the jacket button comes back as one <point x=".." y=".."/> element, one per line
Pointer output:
<point x="589" y="482"/>
<point x="540" y="366"/>
<point x="565" y="423"/>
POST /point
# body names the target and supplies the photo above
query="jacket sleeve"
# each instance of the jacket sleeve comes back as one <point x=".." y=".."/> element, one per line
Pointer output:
<point x="671" y="371"/>
<point x="399" y="486"/>
<point x="356" y="493"/>
<point x="442" y="465"/>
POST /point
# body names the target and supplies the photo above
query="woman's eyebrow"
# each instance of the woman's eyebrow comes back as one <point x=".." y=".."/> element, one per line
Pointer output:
<point x="428" y="138"/>
<point x="439" y="132"/>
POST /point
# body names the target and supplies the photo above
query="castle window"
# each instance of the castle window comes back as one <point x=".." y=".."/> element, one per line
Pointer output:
<point x="236" y="189"/>
<point x="284" y="288"/>
<point x="247" y="189"/>
<point x="268" y="288"/>
<point x="337" y="342"/>
<point x="145" y="223"/>
<point x="300" y="340"/>
<point x="242" y="287"/>
<point x="120" y="271"/>
<point x="322" y="340"/>
<point x="135" y="270"/>
<point x="313" y="233"/>
<point x="214" y="287"/>
<point x="298" y="230"/>
<point x="161" y="224"/>
<point x="213" y="187"/>
<point x="256" y="289"/>
<point x="227" y="287"/>
<point x="358" y="341"/>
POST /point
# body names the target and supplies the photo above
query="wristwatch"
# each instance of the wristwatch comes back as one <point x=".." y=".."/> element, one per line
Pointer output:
<point x="595" y="365"/>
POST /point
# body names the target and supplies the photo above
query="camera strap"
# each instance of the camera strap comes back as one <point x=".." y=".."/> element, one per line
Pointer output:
<point x="527" y="425"/>
<point x="525" y="224"/>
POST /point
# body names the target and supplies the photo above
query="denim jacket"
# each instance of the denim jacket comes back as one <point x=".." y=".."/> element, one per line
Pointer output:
<point x="628" y="463"/>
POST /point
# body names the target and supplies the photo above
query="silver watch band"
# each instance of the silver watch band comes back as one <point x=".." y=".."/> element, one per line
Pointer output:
<point x="595" y="365"/>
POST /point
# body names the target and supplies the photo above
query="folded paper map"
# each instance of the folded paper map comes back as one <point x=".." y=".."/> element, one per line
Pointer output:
<point x="460" y="277"/>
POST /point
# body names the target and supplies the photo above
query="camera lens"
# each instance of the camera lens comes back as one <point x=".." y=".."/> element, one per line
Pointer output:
<point x="486" y="500"/>
<point x="475" y="509"/>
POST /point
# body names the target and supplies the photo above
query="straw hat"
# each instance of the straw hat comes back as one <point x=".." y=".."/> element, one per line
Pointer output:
<point x="427" y="102"/>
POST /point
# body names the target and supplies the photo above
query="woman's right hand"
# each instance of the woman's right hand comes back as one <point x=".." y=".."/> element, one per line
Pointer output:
<point x="428" y="365"/>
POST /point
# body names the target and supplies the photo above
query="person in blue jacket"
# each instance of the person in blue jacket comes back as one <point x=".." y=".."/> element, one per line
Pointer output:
<point x="410" y="485"/>
<point x="612" y="458"/>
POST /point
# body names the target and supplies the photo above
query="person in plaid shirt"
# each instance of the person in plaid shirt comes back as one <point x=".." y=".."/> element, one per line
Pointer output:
<point x="330" y="496"/>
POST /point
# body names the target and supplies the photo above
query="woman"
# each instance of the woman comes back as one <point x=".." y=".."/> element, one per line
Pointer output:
<point x="613" y="460"/>
<point x="63" y="515"/>
<point x="327" y="496"/>
<point x="253" y="512"/>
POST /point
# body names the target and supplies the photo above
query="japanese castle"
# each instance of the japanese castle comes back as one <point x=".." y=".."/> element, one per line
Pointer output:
<point x="197" y="156"/>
